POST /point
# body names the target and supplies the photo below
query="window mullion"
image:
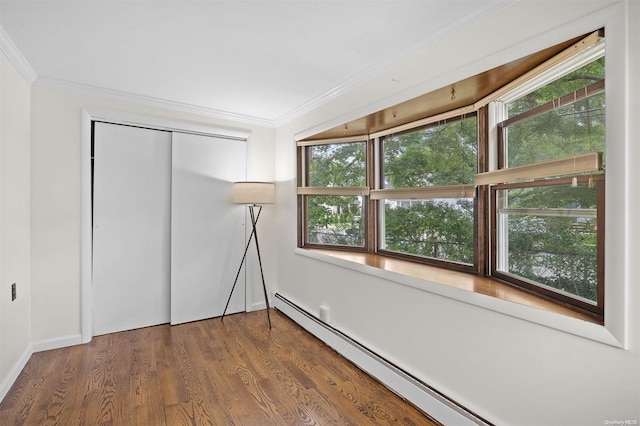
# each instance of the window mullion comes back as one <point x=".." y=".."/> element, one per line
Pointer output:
<point x="482" y="216"/>
<point x="371" y="242"/>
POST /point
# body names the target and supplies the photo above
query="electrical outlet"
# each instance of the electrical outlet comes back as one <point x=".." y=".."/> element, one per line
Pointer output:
<point x="13" y="292"/>
<point x="325" y="313"/>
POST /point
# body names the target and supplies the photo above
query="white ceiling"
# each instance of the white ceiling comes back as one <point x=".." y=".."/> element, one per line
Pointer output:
<point x="255" y="61"/>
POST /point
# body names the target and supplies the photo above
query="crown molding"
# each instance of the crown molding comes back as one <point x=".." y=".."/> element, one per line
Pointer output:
<point x="11" y="51"/>
<point x="367" y="74"/>
<point x="101" y="92"/>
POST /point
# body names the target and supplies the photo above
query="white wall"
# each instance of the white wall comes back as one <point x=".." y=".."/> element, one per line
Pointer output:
<point x="56" y="210"/>
<point x="507" y="370"/>
<point x="15" y="321"/>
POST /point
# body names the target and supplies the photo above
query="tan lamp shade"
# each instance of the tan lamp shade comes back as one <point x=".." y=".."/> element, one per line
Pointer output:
<point x="254" y="192"/>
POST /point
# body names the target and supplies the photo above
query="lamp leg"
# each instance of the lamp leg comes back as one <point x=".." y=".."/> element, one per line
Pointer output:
<point x="264" y="287"/>
<point x="244" y="256"/>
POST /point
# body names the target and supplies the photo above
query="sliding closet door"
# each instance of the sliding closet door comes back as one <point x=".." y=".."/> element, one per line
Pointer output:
<point x="131" y="228"/>
<point x="207" y="230"/>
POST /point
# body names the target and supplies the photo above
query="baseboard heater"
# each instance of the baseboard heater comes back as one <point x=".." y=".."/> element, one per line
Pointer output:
<point x="434" y="403"/>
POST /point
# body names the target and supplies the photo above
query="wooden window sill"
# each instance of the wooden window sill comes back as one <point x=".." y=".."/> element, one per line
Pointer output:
<point x="450" y="281"/>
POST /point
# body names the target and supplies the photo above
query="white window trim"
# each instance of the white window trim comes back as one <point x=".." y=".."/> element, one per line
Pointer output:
<point x="591" y="54"/>
<point x="619" y="266"/>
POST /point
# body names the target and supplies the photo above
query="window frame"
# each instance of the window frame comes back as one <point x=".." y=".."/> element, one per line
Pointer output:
<point x="304" y="192"/>
<point x="595" y="310"/>
<point x="440" y="191"/>
<point x="489" y="159"/>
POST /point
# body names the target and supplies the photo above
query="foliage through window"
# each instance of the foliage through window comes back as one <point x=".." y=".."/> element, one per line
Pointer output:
<point x="336" y="219"/>
<point x="443" y="154"/>
<point x="514" y="190"/>
<point x="548" y="236"/>
<point x="575" y="128"/>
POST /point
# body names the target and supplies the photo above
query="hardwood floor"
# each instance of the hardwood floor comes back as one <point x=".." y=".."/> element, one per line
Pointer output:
<point x="212" y="372"/>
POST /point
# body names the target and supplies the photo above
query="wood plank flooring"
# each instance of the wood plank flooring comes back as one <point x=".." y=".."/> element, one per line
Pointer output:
<point x="212" y="372"/>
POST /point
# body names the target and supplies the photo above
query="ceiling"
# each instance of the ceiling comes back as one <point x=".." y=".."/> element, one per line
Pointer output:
<point x="263" y="61"/>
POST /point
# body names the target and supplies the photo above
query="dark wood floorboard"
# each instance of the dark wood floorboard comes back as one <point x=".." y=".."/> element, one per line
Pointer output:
<point x="212" y="372"/>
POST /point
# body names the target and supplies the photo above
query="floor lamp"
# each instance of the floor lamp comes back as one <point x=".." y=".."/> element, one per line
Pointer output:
<point x="253" y="194"/>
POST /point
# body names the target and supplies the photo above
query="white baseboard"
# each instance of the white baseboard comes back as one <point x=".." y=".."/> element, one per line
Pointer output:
<point x="43" y="345"/>
<point x="58" y="342"/>
<point x="258" y="306"/>
<point x="14" y="372"/>
<point x="418" y="393"/>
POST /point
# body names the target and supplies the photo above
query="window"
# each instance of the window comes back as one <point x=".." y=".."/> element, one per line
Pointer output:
<point x="422" y="220"/>
<point x="549" y="230"/>
<point x="335" y="174"/>
<point x="511" y="186"/>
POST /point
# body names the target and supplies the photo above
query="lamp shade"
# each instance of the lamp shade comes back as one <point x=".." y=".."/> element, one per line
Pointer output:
<point x="254" y="192"/>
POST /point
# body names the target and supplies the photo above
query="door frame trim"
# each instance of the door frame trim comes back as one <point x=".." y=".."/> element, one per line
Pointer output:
<point x="88" y="115"/>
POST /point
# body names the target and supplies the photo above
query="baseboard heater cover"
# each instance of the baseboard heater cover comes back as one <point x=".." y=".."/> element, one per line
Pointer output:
<point x="428" y="399"/>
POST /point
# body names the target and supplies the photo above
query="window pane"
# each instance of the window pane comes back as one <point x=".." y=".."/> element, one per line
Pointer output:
<point x="438" y="229"/>
<point x="575" y="129"/>
<point x="575" y="80"/>
<point x="341" y="164"/>
<point x="548" y="235"/>
<point x="335" y="220"/>
<point x="440" y="155"/>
